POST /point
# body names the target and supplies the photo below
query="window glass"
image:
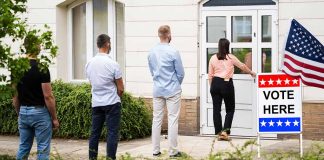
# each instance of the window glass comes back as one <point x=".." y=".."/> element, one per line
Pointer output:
<point x="120" y="32"/>
<point x="266" y="28"/>
<point x="100" y="21"/>
<point x="245" y="56"/>
<point x="216" y="29"/>
<point x="79" y="48"/>
<point x="242" y="29"/>
<point x="266" y="60"/>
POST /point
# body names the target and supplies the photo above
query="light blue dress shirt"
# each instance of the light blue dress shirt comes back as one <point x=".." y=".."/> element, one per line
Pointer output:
<point x="166" y="69"/>
<point x="102" y="71"/>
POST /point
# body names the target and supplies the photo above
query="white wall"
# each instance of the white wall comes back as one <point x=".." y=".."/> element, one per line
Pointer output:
<point x="311" y="15"/>
<point x="40" y="13"/>
<point x="142" y="19"/>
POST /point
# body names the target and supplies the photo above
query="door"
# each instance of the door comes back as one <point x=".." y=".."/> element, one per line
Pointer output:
<point x="251" y="35"/>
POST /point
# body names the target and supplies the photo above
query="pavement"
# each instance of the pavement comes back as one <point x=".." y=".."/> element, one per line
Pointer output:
<point x="197" y="147"/>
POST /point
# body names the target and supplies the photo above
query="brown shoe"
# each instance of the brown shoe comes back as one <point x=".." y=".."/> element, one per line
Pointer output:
<point x="225" y="136"/>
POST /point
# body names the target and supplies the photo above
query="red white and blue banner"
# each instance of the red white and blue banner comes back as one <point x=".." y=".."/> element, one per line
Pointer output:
<point x="279" y="103"/>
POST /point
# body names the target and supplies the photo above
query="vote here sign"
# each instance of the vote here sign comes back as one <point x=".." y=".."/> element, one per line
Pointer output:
<point x="279" y="104"/>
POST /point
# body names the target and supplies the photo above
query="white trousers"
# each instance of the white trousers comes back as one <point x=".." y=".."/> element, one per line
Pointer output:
<point x="173" y="105"/>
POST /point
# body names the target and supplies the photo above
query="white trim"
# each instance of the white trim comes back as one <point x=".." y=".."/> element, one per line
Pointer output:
<point x="273" y="45"/>
<point x="69" y="38"/>
<point x="89" y="30"/>
<point x="112" y="27"/>
<point x="239" y="8"/>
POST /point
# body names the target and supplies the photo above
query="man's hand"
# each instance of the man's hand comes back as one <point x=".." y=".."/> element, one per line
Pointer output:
<point x="56" y="124"/>
<point x="120" y="86"/>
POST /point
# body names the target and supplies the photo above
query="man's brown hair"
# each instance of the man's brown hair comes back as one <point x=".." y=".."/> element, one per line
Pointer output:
<point x="164" y="31"/>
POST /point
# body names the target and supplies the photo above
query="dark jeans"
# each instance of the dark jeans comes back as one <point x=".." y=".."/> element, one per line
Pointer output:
<point x="219" y="90"/>
<point x="111" y="115"/>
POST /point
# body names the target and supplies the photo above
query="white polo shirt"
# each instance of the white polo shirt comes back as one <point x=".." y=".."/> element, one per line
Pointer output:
<point x="102" y="71"/>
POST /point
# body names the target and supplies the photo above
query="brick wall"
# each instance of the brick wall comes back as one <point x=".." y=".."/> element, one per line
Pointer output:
<point x="313" y="119"/>
<point x="189" y="116"/>
<point x="313" y="122"/>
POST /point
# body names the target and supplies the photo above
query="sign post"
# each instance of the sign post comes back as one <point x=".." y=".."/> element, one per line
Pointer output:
<point x="279" y="106"/>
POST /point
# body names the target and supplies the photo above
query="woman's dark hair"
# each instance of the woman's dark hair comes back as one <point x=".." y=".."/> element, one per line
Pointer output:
<point x="223" y="48"/>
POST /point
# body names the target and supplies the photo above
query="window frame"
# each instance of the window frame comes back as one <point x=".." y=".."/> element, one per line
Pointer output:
<point x="89" y="34"/>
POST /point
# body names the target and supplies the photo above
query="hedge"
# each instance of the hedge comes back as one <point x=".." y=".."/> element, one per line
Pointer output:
<point x="73" y="103"/>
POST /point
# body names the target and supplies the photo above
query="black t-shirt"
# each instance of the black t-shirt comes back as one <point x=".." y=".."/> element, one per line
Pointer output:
<point x="29" y="88"/>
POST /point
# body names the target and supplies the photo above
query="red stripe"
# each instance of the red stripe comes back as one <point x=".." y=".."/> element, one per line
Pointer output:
<point x="304" y="65"/>
<point x="305" y="82"/>
<point x="308" y="75"/>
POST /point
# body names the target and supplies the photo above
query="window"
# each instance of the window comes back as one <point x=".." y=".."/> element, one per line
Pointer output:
<point x="100" y="21"/>
<point x="245" y="56"/>
<point x="266" y="28"/>
<point x="120" y="34"/>
<point x="242" y="28"/>
<point x="216" y="29"/>
<point x="86" y="21"/>
<point x="79" y="41"/>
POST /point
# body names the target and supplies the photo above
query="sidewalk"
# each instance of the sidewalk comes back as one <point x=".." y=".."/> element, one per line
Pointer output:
<point x="196" y="146"/>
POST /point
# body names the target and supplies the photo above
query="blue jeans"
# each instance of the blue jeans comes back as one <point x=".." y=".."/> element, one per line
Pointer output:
<point x="34" y="121"/>
<point x="111" y="115"/>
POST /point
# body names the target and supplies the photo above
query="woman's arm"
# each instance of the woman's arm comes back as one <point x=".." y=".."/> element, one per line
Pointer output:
<point x="241" y="65"/>
<point x="211" y="70"/>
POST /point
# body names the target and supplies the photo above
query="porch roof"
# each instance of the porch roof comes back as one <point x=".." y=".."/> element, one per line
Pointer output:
<point x="212" y="3"/>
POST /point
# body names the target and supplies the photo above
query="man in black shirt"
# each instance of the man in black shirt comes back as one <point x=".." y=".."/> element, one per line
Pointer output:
<point x="35" y="105"/>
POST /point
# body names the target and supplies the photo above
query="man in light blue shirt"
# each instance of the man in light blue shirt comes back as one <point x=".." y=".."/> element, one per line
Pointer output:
<point x="106" y="87"/>
<point x="167" y="71"/>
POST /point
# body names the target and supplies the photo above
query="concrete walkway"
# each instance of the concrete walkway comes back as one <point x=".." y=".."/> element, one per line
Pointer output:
<point x="196" y="146"/>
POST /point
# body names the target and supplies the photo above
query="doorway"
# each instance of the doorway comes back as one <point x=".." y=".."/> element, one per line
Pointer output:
<point x="253" y="35"/>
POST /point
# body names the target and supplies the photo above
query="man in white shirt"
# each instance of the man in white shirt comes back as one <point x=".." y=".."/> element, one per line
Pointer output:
<point x="106" y="87"/>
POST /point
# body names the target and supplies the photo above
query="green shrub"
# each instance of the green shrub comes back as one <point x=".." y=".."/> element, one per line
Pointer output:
<point x="6" y="157"/>
<point x="74" y="113"/>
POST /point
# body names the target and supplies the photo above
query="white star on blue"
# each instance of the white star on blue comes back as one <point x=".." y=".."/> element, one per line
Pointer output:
<point x="279" y="124"/>
<point x="306" y="42"/>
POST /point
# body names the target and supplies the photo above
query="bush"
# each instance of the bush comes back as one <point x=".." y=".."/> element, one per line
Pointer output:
<point x="74" y="112"/>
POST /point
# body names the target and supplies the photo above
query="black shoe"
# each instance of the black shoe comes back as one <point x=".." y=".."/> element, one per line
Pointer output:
<point x="156" y="154"/>
<point x="176" y="155"/>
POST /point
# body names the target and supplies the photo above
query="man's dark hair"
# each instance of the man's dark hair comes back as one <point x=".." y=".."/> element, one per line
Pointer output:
<point x="32" y="43"/>
<point x="102" y="40"/>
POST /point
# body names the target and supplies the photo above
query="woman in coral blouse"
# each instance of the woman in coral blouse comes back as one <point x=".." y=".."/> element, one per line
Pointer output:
<point x="221" y="70"/>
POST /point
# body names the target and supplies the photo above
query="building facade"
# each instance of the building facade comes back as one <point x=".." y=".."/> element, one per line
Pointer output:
<point x="256" y="29"/>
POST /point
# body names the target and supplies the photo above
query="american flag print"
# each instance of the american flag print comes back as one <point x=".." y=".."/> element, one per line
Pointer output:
<point x="304" y="56"/>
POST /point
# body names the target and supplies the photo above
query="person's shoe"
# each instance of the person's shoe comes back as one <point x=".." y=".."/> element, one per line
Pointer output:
<point x="176" y="155"/>
<point x="157" y="154"/>
<point x="220" y="137"/>
<point x="225" y="136"/>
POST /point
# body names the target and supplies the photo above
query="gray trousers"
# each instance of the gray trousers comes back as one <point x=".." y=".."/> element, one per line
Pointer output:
<point x="173" y="105"/>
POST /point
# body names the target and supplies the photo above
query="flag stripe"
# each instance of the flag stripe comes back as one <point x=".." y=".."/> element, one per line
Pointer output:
<point x="305" y="80"/>
<point x="304" y="60"/>
<point x="294" y="69"/>
<point x="297" y="75"/>
<point x="296" y="64"/>
<point x="302" y="76"/>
